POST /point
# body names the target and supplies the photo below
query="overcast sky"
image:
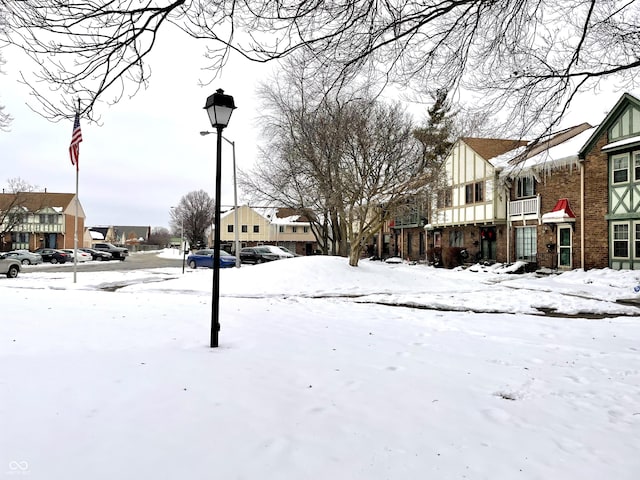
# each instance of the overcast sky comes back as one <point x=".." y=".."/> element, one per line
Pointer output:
<point x="148" y="152"/>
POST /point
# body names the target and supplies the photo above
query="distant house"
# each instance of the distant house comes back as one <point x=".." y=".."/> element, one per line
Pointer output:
<point x="268" y="226"/>
<point x="125" y="235"/>
<point x="31" y="220"/>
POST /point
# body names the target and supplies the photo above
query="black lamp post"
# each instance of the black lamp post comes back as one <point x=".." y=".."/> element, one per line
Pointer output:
<point x="219" y="107"/>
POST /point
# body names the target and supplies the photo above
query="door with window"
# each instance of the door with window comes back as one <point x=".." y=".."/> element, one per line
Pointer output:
<point x="564" y="247"/>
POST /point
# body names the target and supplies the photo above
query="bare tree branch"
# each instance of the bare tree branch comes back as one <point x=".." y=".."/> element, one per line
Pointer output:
<point x="527" y="57"/>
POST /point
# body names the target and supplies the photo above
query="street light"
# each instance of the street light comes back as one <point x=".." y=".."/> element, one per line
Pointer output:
<point x="236" y="235"/>
<point x="219" y="107"/>
<point x="182" y="242"/>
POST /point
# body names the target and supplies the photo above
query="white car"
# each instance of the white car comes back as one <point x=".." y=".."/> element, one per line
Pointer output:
<point x="278" y="251"/>
<point x="80" y="255"/>
<point x="9" y="266"/>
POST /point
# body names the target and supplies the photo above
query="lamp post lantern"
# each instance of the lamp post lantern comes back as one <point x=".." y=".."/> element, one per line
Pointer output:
<point x="219" y="107"/>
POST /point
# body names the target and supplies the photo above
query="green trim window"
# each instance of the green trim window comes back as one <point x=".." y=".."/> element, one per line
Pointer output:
<point x="627" y="124"/>
<point x="620" y="240"/>
<point x="636" y="240"/>
<point x="620" y="168"/>
<point x="636" y="166"/>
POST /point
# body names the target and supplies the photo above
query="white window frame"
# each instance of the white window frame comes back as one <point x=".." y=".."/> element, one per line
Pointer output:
<point x="620" y="239"/>
<point x="526" y="247"/>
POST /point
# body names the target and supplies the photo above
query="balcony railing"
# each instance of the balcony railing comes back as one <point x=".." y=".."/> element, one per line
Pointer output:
<point x="525" y="207"/>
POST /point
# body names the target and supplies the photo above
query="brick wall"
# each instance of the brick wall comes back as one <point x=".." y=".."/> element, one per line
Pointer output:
<point x="596" y="202"/>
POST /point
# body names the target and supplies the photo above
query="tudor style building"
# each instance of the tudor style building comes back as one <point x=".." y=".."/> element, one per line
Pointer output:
<point x="568" y="200"/>
<point x="33" y="220"/>
<point x="612" y="188"/>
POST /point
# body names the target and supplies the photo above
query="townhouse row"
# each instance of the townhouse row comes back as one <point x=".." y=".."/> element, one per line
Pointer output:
<point x="33" y="220"/>
<point x="569" y="200"/>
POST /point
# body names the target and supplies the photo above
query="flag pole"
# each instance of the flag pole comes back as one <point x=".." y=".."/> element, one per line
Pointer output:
<point x="75" y="217"/>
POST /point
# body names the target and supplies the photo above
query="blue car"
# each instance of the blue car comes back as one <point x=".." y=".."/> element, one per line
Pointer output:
<point x="204" y="258"/>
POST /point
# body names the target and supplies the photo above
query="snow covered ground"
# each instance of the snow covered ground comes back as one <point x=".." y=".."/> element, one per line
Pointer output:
<point x="324" y="371"/>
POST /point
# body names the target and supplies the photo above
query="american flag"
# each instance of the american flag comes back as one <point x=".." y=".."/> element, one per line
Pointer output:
<point x="76" y="138"/>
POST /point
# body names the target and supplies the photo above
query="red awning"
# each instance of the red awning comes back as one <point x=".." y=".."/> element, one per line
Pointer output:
<point x="561" y="213"/>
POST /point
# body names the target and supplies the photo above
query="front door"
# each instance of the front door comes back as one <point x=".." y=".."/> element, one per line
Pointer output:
<point x="50" y="240"/>
<point x="564" y="248"/>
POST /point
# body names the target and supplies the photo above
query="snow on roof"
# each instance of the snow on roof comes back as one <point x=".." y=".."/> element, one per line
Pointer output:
<point x="560" y="155"/>
<point x="621" y="143"/>
<point x="561" y="213"/>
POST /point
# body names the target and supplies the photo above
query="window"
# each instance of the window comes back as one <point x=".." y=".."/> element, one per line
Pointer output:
<point x="621" y="240"/>
<point x="468" y="193"/>
<point x="526" y="245"/>
<point x="526" y="187"/>
<point x="620" y="168"/>
<point x="280" y="228"/>
<point x="437" y="239"/>
<point x="636" y="166"/>
<point x="19" y="237"/>
<point x="456" y="238"/>
<point x="294" y="229"/>
<point x="422" y="244"/>
<point x="256" y="229"/>
<point x="244" y="229"/>
<point x="229" y="228"/>
<point x="409" y="242"/>
<point x="637" y="241"/>
<point x="305" y="229"/>
<point x="444" y="198"/>
<point x="474" y="192"/>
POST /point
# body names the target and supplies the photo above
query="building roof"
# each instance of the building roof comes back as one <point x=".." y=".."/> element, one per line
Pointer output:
<point x="34" y="201"/>
<point x="492" y="147"/>
<point x="558" y="149"/>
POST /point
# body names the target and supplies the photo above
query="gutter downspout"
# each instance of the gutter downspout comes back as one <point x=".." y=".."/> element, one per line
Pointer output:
<point x="582" y="215"/>
<point x="508" y="197"/>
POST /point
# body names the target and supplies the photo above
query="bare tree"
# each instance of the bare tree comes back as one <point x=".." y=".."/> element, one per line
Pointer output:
<point x="530" y="56"/>
<point x="159" y="236"/>
<point x="16" y="203"/>
<point x="195" y="212"/>
<point x="5" y="118"/>
<point x="341" y="158"/>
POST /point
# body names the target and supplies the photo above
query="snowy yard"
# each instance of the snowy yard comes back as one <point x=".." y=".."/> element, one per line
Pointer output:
<point x="324" y="371"/>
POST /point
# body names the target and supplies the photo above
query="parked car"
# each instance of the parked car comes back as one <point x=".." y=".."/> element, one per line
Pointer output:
<point x="97" y="255"/>
<point x="79" y="254"/>
<point x="204" y="258"/>
<point x="257" y="255"/>
<point x="286" y="250"/>
<point x="25" y="257"/>
<point x="280" y="251"/>
<point x="9" y="265"/>
<point x="118" y="253"/>
<point x="53" y="255"/>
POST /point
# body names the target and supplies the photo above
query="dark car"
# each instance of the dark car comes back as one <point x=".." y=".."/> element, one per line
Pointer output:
<point x="119" y="253"/>
<point x="97" y="254"/>
<point x="204" y="258"/>
<point x="53" y="255"/>
<point x="257" y="255"/>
